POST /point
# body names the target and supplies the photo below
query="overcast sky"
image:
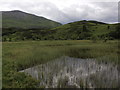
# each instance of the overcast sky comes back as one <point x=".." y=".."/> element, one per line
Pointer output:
<point x="65" y="11"/>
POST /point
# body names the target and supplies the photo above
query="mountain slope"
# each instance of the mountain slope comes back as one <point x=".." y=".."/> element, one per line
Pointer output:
<point x="19" y="19"/>
<point x="83" y="30"/>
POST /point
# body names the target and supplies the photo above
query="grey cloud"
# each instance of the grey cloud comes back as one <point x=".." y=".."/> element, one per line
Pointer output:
<point x="50" y="11"/>
<point x="101" y="11"/>
<point x="106" y="12"/>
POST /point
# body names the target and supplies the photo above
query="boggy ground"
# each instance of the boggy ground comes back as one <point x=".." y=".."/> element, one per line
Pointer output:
<point x="22" y="55"/>
<point x="74" y="72"/>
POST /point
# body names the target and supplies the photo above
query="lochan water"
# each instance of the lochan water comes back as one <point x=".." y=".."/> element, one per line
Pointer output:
<point x="75" y="73"/>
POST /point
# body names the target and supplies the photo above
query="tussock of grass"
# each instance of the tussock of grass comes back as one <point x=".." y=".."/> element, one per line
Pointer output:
<point x="27" y="54"/>
<point x="21" y="55"/>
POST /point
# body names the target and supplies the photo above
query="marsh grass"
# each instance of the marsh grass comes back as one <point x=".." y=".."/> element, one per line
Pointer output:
<point x="21" y="55"/>
<point x="27" y="54"/>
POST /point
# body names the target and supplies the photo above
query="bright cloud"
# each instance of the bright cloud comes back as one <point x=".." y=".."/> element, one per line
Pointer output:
<point x="66" y="11"/>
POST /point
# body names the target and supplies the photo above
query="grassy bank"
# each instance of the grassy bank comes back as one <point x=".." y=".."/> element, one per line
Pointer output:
<point x="20" y="55"/>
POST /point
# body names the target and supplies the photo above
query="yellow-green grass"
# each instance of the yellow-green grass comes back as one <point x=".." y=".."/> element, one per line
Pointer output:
<point x="21" y="55"/>
<point x="30" y="53"/>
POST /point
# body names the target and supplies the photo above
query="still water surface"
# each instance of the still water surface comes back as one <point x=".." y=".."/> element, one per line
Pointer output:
<point x="75" y="72"/>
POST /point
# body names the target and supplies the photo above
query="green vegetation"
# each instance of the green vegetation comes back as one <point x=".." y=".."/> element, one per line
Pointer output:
<point x="81" y="30"/>
<point x="31" y="40"/>
<point x="20" y="55"/>
<point x="19" y="19"/>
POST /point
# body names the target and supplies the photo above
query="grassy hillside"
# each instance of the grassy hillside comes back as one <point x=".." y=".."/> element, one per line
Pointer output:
<point x="19" y="19"/>
<point x="83" y="30"/>
<point x="80" y="30"/>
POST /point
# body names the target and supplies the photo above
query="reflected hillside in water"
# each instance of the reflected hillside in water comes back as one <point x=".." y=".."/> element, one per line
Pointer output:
<point x="75" y="72"/>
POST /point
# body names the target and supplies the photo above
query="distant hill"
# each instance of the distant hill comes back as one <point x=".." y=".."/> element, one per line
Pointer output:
<point x="83" y="30"/>
<point x="19" y="19"/>
<point x="80" y="30"/>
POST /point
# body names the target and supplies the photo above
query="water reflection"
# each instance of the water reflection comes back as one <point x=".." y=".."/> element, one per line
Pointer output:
<point x="75" y="72"/>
